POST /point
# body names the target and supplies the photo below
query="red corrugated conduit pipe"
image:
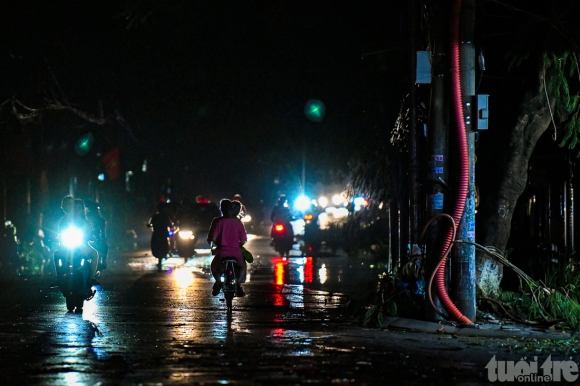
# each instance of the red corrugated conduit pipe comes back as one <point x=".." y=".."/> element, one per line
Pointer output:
<point x="464" y="168"/>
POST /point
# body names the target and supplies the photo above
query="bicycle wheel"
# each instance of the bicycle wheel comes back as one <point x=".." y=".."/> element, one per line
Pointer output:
<point x="229" y="297"/>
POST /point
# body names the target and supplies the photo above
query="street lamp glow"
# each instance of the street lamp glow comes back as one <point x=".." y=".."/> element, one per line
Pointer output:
<point x="323" y="201"/>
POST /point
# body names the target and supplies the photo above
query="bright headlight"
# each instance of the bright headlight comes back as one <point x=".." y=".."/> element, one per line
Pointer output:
<point x="186" y="234"/>
<point x="247" y="218"/>
<point x="72" y="237"/>
<point x="302" y="203"/>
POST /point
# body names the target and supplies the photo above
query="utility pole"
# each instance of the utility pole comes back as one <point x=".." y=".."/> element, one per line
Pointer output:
<point x="463" y="261"/>
<point x="415" y="158"/>
<point x="438" y="139"/>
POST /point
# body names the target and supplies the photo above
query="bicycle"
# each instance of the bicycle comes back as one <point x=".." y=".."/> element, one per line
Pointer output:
<point x="230" y="281"/>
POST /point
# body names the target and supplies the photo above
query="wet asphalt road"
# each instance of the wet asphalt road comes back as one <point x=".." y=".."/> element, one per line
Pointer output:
<point x="151" y="327"/>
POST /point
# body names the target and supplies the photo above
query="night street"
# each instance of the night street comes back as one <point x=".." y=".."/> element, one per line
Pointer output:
<point x="403" y="173"/>
<point x="293" y="326"/>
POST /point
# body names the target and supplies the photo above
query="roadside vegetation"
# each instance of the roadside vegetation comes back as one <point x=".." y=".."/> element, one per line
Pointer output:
<point x="551" y="302"/>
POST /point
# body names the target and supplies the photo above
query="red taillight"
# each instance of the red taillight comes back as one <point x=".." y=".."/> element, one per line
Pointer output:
<point x="279" y="228"/>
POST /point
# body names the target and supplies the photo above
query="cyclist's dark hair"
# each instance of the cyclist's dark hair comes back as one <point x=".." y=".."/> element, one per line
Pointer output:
<point x="225" y="205"/>
<point x="235" y="208"/>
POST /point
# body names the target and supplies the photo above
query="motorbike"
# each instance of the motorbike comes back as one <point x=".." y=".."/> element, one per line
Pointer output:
<point x="73" y="261"/>
<point x="185" y="242"/>
<point x="282" y="238"/>
<point x="160" y="244"/>
<point x="311" y="238"/>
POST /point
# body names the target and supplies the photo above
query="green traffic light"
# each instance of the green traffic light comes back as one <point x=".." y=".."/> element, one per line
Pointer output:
<point x="84" y="144"/>
<point x="314" y="110"/>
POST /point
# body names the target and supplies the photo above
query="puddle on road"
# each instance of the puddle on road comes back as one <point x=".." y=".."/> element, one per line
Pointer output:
<point x="326" y="273"/>
<point x="282" y="335"/>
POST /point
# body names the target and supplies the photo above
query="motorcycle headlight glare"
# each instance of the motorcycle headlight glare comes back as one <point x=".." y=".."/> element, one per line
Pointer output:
<point x="247" y="218"/>
<point x="186" y="234"/>
<point x="72" y="237"/>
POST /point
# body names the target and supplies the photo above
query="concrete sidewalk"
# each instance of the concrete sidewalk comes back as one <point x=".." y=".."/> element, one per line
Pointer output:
<point x="488" y="330"/>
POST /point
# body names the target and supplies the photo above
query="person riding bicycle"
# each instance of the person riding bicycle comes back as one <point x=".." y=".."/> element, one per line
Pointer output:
<point x="228" y="234"/>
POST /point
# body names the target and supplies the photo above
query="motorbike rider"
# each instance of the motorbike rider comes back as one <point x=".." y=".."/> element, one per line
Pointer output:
<point x="160" y="222"/>
<point x="9" y="248"/>
<point x="99" y="242"/>
<point x="311" y="229"/>
<point x="229" y="235"/>
<point x="281" y="211"/>
<point x="185" y="215"/>
<point x="66" y="205"/>
<point x="75" y="216"/>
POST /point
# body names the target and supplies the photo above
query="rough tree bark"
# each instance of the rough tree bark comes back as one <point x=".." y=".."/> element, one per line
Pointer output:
<point x="494" y="228"/>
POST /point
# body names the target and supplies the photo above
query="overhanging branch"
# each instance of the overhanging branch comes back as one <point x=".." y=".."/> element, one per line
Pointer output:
<point x="79" y="113"/>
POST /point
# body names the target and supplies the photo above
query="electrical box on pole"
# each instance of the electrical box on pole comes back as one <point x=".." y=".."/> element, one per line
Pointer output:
<point x="481" y="111"/>
<point x="423" y="75"/>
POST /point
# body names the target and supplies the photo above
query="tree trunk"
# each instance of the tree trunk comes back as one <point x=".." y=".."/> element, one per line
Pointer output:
<point x="533" y="120"/>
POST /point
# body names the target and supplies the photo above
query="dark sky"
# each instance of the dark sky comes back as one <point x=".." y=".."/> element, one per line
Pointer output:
<point x="214" y="91"/>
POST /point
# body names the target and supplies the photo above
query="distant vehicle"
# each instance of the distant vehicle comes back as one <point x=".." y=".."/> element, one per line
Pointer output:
<point x="187" y="229"/>
<point x="186" y="241"/>
<point x="204" y="211"/>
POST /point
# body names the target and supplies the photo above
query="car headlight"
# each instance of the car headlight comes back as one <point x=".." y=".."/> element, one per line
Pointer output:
<point x="186" y="234"/>
<point x="247" y="218"/>
<point x="72" y="237"/>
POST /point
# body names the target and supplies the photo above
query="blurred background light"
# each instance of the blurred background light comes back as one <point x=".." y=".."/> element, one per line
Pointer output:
<point x="338" y="199"/>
